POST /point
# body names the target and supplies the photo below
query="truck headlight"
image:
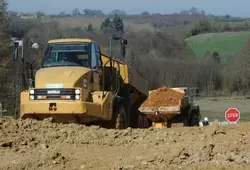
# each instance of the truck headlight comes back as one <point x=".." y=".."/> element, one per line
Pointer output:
<point x="32" y="91"/>
<point x="77" y="91"/>
<point x="77" y="97"/>
<point x="32" y="97"/>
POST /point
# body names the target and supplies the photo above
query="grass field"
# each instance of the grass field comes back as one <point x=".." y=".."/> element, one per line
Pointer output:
<point x="214" y="108"/>
<point x="227" y="42"/>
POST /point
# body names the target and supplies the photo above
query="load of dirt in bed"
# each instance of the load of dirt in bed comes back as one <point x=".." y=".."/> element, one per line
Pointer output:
<point x="163" y="97"/>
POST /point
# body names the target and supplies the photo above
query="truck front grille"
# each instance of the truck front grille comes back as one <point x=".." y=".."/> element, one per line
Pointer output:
<point x="54" y="94"/>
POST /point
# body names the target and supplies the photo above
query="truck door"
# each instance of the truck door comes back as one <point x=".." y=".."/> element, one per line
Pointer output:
<point x="96" y="66"/>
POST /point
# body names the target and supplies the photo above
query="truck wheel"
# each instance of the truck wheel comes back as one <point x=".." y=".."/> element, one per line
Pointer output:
<point x="146" y="124"/>
<point x="121" y="118"/>
<point x="142" y="121"/>
<point x="194" y="118"/>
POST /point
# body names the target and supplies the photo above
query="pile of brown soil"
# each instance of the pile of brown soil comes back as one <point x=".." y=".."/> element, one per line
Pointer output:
<point x="39" y="145"/>
<point x="163" y="97"/>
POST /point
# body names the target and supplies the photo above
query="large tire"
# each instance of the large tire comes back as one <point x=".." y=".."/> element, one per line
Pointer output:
<point x="146" y="122"/>
<point x="120" y="118"/>
<point x="194" y="117"/>
<point x="185" y="116"/>
<point x="142" y="121"/>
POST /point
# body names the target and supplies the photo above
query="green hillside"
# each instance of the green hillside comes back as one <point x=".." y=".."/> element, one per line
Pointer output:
<point x="227" y="42"/>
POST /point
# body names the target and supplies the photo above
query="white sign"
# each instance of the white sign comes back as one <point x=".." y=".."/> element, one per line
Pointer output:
<point x="53" y="92"/>
<point x="54" y="85"/>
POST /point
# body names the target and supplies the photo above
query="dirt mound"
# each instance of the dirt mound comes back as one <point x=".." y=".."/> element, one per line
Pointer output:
<point x="164" y="97"/>
<point x="32" y="144"/>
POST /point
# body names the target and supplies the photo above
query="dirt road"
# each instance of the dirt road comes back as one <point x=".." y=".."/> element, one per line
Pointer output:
<point x="43" y="145"/>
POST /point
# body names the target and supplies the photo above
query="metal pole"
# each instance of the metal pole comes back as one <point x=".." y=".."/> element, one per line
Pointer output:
<point x="1" y="110"/>
<point x="121" y="50"/>
<point x="15" y="109"/>
<point x="22" y="51"/>
<point x="111" y="63"/>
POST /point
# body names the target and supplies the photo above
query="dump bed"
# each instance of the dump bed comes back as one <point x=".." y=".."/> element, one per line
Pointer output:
<point x="164" y="104"/>
<point x="130" y="78"/>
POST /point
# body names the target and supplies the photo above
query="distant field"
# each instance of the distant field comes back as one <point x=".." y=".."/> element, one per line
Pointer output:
<point x="214" y="108"/>
<point x="228" y="42"/>
<point x="83" y="21"/>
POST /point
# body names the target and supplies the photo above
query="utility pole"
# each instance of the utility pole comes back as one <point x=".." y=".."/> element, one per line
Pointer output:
<point x="15" y="91"/>
<point x="17" y="44"/>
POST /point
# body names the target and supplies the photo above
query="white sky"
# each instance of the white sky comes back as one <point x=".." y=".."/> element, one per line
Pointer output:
<point x="219" y="7"/>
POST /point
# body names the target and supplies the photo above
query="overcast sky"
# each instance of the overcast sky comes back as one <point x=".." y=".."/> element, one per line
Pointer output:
<point x="221" y="7"/>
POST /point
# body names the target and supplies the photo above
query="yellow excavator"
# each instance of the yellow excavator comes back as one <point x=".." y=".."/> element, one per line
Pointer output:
<point x="77" y="83"/>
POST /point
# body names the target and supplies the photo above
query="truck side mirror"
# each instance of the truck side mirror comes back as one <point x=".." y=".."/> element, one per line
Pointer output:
<point x="124" y="41"/>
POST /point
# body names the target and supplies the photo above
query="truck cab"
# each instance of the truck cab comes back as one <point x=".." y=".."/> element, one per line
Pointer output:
<point x="68" y="86"/>
<point x="72" y="52"/>
<point x="68" y="65"/>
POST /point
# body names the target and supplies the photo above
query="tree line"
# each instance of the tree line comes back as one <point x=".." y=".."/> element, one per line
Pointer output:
<point x="207" y="25"/>
<point x="146" y="50"/>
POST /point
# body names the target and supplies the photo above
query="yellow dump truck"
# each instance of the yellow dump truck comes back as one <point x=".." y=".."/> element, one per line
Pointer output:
<point x="78" y="84"/>
<point x="164" y="114"/>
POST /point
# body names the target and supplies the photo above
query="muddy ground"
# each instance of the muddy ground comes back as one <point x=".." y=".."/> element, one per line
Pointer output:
<point x="44" y="145"/>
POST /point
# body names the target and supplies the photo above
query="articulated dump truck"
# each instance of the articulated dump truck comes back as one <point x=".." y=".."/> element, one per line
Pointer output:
<point x="78" y="84"/>
<point x="165" y="106"/>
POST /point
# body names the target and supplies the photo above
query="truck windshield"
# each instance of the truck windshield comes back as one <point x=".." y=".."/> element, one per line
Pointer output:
<point x="67" y="55"/>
